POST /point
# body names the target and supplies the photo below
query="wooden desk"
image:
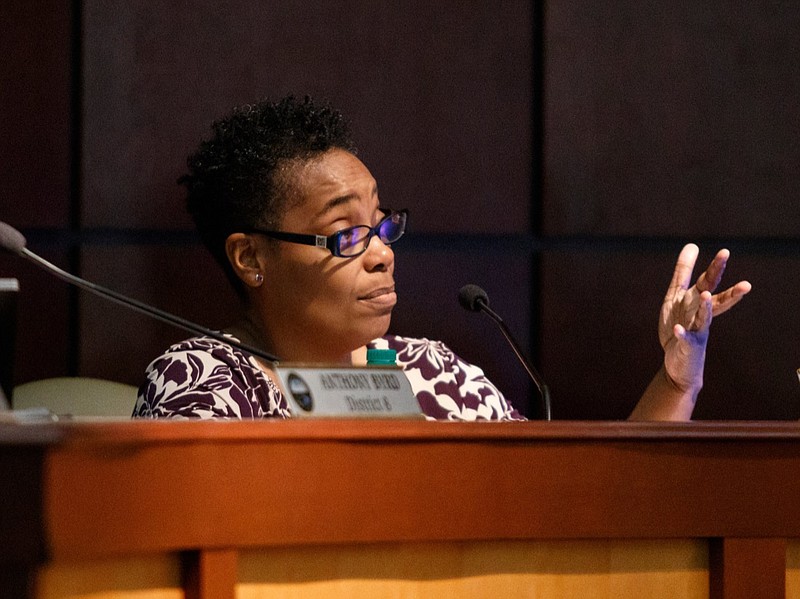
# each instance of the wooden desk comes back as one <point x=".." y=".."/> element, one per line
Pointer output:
<point x="214" y="496"/>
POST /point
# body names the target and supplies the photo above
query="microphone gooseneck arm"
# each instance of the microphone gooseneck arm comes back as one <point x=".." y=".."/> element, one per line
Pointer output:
<point x="137" y="305"/>
<point x="473" y="298"/>
<point x="544" y="392"/>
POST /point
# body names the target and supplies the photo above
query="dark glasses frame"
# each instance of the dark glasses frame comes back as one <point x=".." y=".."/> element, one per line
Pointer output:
<point x="332" y="243"/>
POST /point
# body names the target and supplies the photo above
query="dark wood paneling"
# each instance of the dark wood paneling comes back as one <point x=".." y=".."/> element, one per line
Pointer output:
<point x="601" y="348"/>
<point x="42" y="336"/>
<point x="672" y="119"/>
<point x="118" y="343"/>
<point x="35" y="164"/>
<point x="677" y="120"/>
<point x="35" y="43"/>
<point x="599" y="316"/>
<point x="439" y="96"/>
<point x="755" y="355"/>
<point x="440" y="110"/>
<point x="428" y="282"/>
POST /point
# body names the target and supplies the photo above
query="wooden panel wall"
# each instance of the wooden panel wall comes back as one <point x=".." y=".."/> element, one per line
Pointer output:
<point x="662" y="125"/>
<point x="36" y="173"/>
<point x="558" y="153"/>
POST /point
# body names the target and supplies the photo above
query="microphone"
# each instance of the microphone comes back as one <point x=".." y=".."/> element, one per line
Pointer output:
<point x="473" y="298"/>
<point x="14" y="242"/>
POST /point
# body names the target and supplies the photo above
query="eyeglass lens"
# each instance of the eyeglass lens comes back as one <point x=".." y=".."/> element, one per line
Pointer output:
<point x="355" y="240"/>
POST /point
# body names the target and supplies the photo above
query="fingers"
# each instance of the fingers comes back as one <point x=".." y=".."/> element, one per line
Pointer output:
<point x="682" y="277"/>
<point x="704" y="312"/>
<point x="699" y="321"/>
<point x="709" y="280"/>
<point x="725" y="300"/>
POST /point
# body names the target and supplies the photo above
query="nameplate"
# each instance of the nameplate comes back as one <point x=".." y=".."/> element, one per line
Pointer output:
<point x="367" y="392"/>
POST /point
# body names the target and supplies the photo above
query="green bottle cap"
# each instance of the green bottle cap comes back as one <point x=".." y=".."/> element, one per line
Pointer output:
<point x="380" y="357"/>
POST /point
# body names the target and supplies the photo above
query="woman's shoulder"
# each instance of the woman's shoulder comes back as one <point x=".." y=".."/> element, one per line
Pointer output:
<point x="409" y="347"/>
<point x="447" y="386"/>
<point x="431" y="357"/>
<point x="195" y="360"/>
<point x="205" y="377"/>
<point x="207" y="346"/>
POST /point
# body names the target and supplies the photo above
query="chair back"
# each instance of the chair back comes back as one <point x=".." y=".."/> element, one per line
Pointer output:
<point x="77" y="396"/>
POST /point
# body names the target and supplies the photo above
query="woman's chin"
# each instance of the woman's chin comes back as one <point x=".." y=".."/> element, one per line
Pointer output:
<point x="377" y="329"/>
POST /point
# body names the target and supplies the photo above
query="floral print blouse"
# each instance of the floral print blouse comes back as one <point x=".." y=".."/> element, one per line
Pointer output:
<point x="206" y="378"/>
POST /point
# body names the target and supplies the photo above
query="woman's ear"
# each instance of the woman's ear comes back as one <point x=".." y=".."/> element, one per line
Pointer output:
<point x="245" y="258"/>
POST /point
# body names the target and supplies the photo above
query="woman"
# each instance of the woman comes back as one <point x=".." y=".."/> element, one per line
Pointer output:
<point x="293" y="217"/>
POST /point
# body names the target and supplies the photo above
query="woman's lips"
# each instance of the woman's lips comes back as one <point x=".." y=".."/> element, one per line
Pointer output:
<point x="383" y="296"/>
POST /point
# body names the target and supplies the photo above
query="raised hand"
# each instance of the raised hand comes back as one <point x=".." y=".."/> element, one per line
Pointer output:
<point x="686" y="316"/>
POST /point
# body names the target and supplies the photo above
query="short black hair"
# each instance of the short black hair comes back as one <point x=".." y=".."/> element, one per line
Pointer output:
<point x="233" y="184"/>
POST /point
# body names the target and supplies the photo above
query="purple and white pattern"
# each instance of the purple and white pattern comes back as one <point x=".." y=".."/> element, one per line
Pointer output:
<point x="205" y="378"/>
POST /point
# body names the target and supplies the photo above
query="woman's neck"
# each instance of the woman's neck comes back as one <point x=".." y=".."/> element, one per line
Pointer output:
<point x="248" y="331"/>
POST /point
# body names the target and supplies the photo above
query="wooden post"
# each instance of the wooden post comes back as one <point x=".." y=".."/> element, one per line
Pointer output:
<point x="210" y="574"/>
<point x="747" y="568"/>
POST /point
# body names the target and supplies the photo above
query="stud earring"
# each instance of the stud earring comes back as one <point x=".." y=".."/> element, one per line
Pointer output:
<point x="259" y="278"/>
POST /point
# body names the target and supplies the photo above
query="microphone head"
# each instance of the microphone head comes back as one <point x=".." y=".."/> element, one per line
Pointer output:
<point x="11" y="239"/>
<point x="471" y="297"/>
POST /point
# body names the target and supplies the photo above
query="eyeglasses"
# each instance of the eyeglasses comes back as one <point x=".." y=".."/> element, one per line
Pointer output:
<point x="352" y="241"/>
